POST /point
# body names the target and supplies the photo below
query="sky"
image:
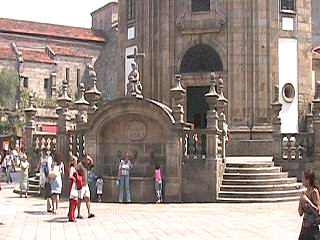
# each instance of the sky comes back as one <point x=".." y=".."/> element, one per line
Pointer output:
<point x="65" y="12"/>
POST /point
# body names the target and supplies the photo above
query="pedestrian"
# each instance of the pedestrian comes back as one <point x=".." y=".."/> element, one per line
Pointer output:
<point x="55" y="177"/>
<point x="3" y="165"/>
<point x="9" y="166"/>
<point x="309" y="206"/>
<point x="99" y="186"/>
<point x="123" y="174"/>
<point x="46" y="166"/>
<point x="92" y="178"/>
<point x="76" y="183"/>
<point x="85" y="192"/>
<point x="158" y="182"/>
<point x="72" y="170"/>
<point x="24" y="173"/>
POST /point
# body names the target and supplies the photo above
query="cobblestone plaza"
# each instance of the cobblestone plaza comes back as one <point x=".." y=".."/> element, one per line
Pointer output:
<point x="27" y="219"/>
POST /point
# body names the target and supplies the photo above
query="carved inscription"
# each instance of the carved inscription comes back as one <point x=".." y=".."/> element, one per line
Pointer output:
<point x="136" y="130"/>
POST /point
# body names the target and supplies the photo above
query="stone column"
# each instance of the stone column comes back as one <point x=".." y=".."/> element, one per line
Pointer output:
<point x="63" y="122"/>
<point x="30" y="112"/>
<point x="177" y="95"/>
<point x="276" y="107"/>
<point x="316" y="130"/>
<point x="212" y="161"/>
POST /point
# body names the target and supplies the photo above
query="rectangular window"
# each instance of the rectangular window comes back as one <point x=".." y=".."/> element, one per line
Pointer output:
<point x="288" y="5"/>
<point x="25" y="82"/>
<point x="46" y="83"/>
<point x="131" y="9"/>
<point x="78" y="77"/>
<point x="200" y="5"/>
<point x="67" y="74"/>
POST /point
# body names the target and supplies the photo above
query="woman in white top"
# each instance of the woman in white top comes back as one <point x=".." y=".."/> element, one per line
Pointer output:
<point x="123" y="174"/>
<point x="55" y="179"/>
<point x="24" y="174"/>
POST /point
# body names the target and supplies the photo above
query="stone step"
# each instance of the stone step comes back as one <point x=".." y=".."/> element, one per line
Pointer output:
<point x="249" y="165"/>
<point x="247" y="176"/>
<point x="261" y="188"/>
<point x="255" y="195"/>
<point x="253" y="170"/>
<point x="257" y="200"/>
<point x="33" y="181"/>
<point x="34" y="187"/>
<point x="30" y="192"/>
<point x="249" y="159"/>
<point x="259" y="181"/>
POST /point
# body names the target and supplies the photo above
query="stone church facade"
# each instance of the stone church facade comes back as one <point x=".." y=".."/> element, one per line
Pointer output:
<point x="253" y="45"/>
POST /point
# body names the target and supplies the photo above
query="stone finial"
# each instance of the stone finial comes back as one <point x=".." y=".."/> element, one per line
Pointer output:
<point x="212" y="95"/>
<point x="81" y="102"/>
<point x="177" y="94"/>
<point x="64" y="99"/>
<point x="222" y="101"/>
<point x="93" y="95"/>
<point x="276" y="107"/>
<point x="31" y="110"/>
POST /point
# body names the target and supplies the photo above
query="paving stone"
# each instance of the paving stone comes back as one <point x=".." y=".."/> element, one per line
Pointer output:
<point x="27" y="219"/>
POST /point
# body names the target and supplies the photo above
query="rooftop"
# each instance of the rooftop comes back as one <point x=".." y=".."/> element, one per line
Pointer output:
<point x="50" y="30"/>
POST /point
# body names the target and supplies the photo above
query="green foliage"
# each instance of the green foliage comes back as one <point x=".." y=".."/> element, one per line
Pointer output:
<point x="9" y="82"/>
<point x="45" y="102"/>
<point x="5" y="127"/>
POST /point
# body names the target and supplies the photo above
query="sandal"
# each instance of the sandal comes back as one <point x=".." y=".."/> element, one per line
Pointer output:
<point x="91" y="215"/>
<point x="80" y="217"/>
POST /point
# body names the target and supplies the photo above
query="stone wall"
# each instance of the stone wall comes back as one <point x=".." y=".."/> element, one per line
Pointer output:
<point x="315" y="23"/>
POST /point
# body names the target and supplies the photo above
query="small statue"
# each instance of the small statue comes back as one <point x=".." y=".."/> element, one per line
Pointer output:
<point x="134" y="87"/>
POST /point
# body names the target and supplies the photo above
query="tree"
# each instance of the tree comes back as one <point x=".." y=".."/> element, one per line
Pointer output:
<point x="9" y="83"/>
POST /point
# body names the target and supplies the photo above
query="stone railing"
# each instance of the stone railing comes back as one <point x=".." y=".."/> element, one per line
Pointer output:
<point x="44" y="141"/>
<point x="76" y="142"/>
<point x="195" y="145"/>
<point x="294" y="146"/>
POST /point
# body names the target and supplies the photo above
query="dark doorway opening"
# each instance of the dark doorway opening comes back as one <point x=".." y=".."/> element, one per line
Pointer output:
<point x="197" y="106"/>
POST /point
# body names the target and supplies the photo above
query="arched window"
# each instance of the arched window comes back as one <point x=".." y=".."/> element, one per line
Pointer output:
<point x="201" y="58"/>
<point x="200" y="5"/>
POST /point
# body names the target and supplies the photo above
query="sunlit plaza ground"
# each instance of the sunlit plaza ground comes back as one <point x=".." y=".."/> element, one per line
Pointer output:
<point x="27" y="219"/>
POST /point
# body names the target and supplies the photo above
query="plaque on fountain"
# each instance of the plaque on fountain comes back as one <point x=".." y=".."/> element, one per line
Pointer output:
<point x="136" y="130"/>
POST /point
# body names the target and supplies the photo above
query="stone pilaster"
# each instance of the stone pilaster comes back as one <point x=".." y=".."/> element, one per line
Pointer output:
<point x="30" y="112"/>
<point x="316" y="130"/>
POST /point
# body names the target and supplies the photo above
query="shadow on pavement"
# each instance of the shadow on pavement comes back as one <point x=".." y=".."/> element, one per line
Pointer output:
<point x="58" y="220"/>
<point x="37" y="212"/>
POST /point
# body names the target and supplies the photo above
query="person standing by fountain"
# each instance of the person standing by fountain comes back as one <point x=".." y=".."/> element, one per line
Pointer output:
<point x="123" y="174"/>
<point x="24" y="174"/>
<point x="158" y="182"/>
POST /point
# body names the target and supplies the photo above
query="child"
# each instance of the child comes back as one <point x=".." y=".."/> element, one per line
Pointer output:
<point x="75" y="186"/>
<point x="99" y="186"/>
<point x="158" y="182"/>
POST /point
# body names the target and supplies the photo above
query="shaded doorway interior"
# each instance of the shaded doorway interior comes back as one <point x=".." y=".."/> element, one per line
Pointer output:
<point x="197" y="106"/>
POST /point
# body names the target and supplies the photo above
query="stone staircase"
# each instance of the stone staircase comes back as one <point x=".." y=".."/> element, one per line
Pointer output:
<point x="256" y="179"/>
<point x="34" y="186"/>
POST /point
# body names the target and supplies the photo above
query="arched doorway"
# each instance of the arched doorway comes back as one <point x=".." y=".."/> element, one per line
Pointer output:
<point x="198" y="60"/>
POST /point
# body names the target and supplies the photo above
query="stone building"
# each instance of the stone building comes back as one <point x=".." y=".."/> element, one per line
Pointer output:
<point x="315" y="23"/>
<point x="253" y="45"/>
<point x="46" y="54"/>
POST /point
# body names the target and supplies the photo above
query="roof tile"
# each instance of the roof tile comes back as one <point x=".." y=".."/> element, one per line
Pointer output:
<point x="50" y="30"/>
